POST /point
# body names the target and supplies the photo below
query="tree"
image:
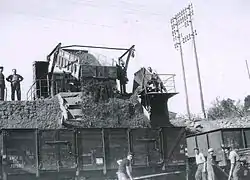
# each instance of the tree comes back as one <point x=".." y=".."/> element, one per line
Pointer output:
<point x="225" y="108"/>
<point x="247" y="102"/>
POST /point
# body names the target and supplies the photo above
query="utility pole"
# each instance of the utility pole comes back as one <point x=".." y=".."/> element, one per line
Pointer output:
<point x="193" y="32"/>
<point x="248" y="69"/>
<point x="177" y="40"/>
<point x="184" y="19"/>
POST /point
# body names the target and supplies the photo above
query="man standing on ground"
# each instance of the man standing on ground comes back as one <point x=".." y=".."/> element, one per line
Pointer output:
<point x="2" y="84"/>
<point x="201" y="165"/>
<point x="210" y="164"/>
<point x="15" y="80"/>
<point x="235" y="164"/>
<point x="125" y="169"/>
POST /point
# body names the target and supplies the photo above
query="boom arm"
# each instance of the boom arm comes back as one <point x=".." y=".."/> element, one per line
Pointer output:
<point x="129" y="52"/>
<point x="55" y="51"/>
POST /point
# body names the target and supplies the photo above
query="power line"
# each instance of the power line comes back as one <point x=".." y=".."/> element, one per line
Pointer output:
<point x="144" y="11"/>
<point x="60" y="19"/>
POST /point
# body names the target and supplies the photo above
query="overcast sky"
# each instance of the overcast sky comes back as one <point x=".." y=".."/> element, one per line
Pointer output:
<point x="30" y="29"/>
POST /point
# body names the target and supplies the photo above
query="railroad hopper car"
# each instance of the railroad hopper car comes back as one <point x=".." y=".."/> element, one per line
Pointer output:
<point x="217" y="139"/>
<point x="90" y="153"/>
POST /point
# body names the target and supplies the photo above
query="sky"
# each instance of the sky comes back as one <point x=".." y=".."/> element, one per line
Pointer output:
<point x="30" y="29"/>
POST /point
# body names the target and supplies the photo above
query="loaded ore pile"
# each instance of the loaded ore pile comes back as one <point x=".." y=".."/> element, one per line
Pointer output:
<point x="104" y="107"/>
<point x="44" y="114"/>
<point x="204" y="125"/>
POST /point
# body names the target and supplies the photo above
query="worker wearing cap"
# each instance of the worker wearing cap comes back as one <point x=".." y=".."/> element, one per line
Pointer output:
<point x="2" y="84"/>
<point x="15" y="80"/>
<point x="210" y="165"/>
<point x="201" y="165"/>
<point x="234" y="164"/>
<point x="125" y="169"/>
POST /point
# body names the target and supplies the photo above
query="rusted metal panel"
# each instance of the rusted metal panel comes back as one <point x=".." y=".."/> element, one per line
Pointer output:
<point x="20" y="151"/>
<point x="90" y="148"/>
<point x="57" y="149"/>
<point x="88" y="71"/>
<point x="191" y="144"/>
<point x="174" y="146"/>
<point x="111" y="72"/>
<point x="48" y="156"/>
<point x="107" y="72"/>
<point x="215" y="142"/>
<point x="146" y="146"/>
<point x="247" y="137"/>
<point x="100" y="72"/>
<point x="202" y="143"/>
<point x="67" y="149"/>
<point x="117" y="146"/>
<point x="232" y="137"/>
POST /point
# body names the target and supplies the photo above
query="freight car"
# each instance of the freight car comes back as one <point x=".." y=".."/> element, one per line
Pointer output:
<point x="90" y="153"/>
<point x="217" y="139"/>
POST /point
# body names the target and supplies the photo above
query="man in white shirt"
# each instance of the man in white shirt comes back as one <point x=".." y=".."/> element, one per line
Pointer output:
<point x="201" y="165"/>
<point x="235" y="164"/>
<point x="15" y="80"/>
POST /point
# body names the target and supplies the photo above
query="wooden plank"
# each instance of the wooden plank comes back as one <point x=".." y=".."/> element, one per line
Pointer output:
<point x="104" y="137"/>
<point x="77" y="159"/>
<point x="157" y="175"/>
<point x="37" y="153"/>
<point x="4" y="155"/>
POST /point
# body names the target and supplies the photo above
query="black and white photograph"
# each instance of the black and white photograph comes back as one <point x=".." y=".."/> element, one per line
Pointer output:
<point x="124" y="90"/>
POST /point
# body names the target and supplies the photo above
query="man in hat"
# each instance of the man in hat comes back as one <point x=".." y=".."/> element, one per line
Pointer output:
<point x="125" y="169"/>
<point x="210" y="164"/>
<point x="234" y="164"/>
<point x="2" y="84"/>
<point x="201" y="165"/>
<point x="15" y="80"/>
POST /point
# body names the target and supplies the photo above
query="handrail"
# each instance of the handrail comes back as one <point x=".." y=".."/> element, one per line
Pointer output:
<point x="29" y="94"/>
<point x="168" y="82"/>
<point x="31" y="87"/>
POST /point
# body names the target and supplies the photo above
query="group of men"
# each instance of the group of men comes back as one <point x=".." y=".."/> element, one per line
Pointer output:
<point x="14" y="80"/>
<point x="205" y="167"/>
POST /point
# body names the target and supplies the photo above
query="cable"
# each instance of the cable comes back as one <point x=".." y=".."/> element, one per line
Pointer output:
<point x="60" y="19"/>
<point x="87" y="23"/>
<point x="117" y="6"/>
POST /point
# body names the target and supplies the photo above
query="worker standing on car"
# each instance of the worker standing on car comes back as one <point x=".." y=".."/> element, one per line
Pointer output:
<point x="235" y="164"/>
<point x="125" y="168"/>
<point x="210" y="165"/>
<point x="201" y="165"/>
<point x="2" y="84"/>
<point x="15" y="80"/>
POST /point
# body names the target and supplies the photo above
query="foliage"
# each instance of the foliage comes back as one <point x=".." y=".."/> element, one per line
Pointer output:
<point x="225" y="108"/>
<point x="247" y="102"/>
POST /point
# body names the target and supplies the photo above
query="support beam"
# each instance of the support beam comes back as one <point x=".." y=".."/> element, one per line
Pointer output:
<point x="97" y="47"/>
